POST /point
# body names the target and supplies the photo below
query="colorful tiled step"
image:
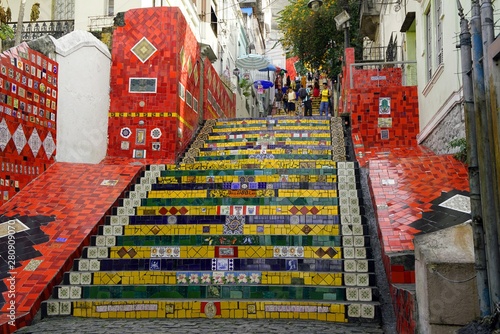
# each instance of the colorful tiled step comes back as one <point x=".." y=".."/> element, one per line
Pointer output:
<point x="202" y="210"/>
<point x="141" y="277"/>
<point x="221" y="239"/>
<point x="251" y="264"/>
<point x="129" y="308"/>
<point x="259" y="220"/>
<point x="252" y="291"/>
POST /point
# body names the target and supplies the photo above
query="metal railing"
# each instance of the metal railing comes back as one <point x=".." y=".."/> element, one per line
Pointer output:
<point x="97" y="23"/>
<point x="383" y="74"/>
<point x="381" y="53"/>
<point x="35" y="30"/>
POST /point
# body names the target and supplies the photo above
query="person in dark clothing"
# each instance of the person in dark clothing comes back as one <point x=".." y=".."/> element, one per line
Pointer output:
<point x="308" y="102"/>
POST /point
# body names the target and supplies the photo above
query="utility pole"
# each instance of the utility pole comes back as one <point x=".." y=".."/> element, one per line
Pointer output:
<point x="20" y="22"/>
<point x="472" y="162"/>
<point x="486" y="172"/>
<point x="488" y="33"/>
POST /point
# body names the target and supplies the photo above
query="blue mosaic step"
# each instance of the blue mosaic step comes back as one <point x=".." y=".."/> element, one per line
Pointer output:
<point x="238" y="264"/>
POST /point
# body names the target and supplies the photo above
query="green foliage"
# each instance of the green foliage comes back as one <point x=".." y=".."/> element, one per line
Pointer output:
<point x="6" y="32"/>
<point x="461" y="144"/>
<point x="245" y="85"/>
<point x="313" y="36"/>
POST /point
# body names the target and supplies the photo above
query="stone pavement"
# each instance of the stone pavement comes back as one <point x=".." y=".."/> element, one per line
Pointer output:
<point x="73" y="325"/>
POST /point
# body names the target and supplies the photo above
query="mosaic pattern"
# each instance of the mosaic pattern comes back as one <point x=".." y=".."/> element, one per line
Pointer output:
<point x="240" y="237"/>
<point x="144" y="49"/>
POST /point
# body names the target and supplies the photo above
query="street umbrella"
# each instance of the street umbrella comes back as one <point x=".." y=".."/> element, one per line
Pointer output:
<point x="252" y="62"/>
<point x="264" y="83"/>
<point x="269" y="67"/>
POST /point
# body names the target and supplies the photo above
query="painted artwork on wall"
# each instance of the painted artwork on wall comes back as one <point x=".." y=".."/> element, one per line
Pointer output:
<point x="384" y="105"/>
<point x="385" y="122"/>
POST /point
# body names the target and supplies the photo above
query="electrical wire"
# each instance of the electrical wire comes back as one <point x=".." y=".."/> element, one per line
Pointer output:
<point x="453" y="281"/>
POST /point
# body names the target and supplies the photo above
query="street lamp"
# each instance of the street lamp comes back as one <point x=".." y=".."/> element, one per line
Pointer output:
<point x="314" y="4"/>
<point x="342" y="22"/>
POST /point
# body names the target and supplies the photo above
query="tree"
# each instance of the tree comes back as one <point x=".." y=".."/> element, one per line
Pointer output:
<point x="313" y="36"/>
<point x="6" y="31"/>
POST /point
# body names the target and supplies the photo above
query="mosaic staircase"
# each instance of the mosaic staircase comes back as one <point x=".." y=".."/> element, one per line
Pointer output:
<point x="261" y="219"/>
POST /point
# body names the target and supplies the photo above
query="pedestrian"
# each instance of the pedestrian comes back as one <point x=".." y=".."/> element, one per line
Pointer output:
<point x="316" y="90"/>
<point x="292" y="97"/>
<point x="285" y="99"/>
<point x="325" y="98"/>
<point x="278" y="100"/>
<point x="308" y="102"/>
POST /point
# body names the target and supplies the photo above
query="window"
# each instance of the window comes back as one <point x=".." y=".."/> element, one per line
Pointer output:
<point x="428" y="47"/>
<point x="64" y="10"/>
<point x="111" y="7"/>
<point x="434" y="36"/>
<point x="439" y="31"/>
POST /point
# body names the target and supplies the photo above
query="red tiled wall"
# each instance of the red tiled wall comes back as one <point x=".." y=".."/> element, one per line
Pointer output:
<point x="364" y="106"/>
<point x="372" y="78"/>
<point x="361" y="101"/>
<point x="137" y="119"/>
<point x="406" y="306"/>
<point x="218" y="101"/>
<point x="28" y="115"/>
<point x="290" y="67"/>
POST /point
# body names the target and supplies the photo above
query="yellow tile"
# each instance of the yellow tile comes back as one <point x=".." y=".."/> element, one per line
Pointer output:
<point x="238" y="314"/>
<point x="340" y="317"/>
<point x="331" y="317"/>
<point x="225" y="314"/>
<point x="284" y="315"/>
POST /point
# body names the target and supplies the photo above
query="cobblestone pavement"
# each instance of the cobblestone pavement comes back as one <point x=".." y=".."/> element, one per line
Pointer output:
<point x="72" y="325"/>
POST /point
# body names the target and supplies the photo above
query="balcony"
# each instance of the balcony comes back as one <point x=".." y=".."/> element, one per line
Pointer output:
<point x="35" y="30"/>
<point x="98" y="23"/>
<point x="208" y="41"/>
<point x="369" y="18"/>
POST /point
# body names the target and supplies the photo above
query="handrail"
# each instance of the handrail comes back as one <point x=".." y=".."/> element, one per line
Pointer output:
<point x="37" y="29"/>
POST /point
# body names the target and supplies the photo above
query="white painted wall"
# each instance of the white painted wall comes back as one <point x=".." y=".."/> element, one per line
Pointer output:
<point x="438" y="95"/>
<point x="88" y="8"/>
<point x="45" y="9"/>
<point x="83" y="98"/>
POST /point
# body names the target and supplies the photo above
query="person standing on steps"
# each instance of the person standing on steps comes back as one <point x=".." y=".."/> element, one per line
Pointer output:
<point x="291" y="101"/>
<point x="325" y="99"/>
<point x="307" y="101"/>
